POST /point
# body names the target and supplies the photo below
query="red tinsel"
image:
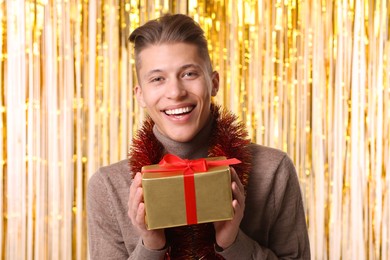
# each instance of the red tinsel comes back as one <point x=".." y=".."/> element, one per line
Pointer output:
<point x="230" y="139"/>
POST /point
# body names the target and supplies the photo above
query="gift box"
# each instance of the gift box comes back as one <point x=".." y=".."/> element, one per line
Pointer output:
<point x="181" y="192"/>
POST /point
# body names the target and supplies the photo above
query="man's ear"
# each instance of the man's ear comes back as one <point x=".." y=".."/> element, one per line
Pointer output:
<point x="214" y="83"/>
<point x="140" y="97"/>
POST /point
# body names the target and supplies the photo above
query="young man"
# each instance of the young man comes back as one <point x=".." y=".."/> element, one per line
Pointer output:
<point x="176" y="83"/>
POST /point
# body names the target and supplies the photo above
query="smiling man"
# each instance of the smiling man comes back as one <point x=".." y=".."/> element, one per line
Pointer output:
<point x="175" y="86"/>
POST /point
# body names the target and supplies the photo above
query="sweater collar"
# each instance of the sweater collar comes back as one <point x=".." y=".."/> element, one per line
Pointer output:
<point x="196" y="148"/>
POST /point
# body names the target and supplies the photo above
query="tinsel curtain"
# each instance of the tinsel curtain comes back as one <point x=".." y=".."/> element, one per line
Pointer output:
<point x="309" y="77"/>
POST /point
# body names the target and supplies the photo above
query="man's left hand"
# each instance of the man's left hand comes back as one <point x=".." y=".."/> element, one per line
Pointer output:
<point x="227" y="231"/>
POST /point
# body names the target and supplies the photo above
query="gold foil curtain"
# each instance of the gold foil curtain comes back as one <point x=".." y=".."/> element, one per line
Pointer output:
<point x="309" y="77"/>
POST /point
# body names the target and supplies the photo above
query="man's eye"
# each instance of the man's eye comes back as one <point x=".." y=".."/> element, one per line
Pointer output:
<point x="190" y="74"/>
<point x="157" y="79"/>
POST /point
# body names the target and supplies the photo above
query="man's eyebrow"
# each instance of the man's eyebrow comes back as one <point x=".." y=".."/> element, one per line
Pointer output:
<point x="151" y="73"/>
<point x="191" y="65"/>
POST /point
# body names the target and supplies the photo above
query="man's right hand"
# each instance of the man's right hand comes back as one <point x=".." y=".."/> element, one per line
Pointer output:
<point x="152" y="239"/>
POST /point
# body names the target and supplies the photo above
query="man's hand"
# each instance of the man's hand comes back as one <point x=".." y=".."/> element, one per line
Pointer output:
<point x="226" y="231"/>
<point x="152" y="239"/>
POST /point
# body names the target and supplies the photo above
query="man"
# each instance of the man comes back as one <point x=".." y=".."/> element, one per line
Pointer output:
<point x="176" y="83"/>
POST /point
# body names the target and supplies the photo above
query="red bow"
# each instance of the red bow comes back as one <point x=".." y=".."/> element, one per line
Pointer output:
<point x="172" y="162"/>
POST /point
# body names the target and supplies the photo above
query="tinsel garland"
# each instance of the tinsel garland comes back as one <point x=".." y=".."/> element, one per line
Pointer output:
<point x="229" y="138"/>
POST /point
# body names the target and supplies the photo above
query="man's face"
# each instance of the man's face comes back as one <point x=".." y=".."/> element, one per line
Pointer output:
<point x="176" y="88"/>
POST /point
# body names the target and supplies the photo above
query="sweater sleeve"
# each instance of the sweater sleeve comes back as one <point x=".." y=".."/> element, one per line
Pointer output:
<point x="104" y="232"/>
<point x="105" y="239"/>
<point x="246" y="248"/>
<point x="288" y="237"/>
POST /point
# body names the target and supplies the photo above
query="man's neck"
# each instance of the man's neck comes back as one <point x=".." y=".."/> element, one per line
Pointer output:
<point x="196" y="148"/>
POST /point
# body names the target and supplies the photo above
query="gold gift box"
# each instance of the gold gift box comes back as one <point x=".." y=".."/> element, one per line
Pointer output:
<point x="164" y="196"/>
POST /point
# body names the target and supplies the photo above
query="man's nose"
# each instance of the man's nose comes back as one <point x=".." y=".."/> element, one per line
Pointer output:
<point x="175" y="89"/>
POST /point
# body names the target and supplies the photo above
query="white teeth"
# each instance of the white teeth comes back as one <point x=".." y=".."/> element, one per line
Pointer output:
<point x="178" y="111"/>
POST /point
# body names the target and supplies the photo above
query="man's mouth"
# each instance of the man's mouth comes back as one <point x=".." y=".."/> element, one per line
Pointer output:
<point x="179" y="111"/>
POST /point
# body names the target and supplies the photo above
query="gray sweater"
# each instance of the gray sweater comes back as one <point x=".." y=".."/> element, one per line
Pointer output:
<point x="273" y="225"/>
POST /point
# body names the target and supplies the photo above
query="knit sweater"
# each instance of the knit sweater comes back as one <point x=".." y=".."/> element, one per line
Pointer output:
<point x="273" y="225"/>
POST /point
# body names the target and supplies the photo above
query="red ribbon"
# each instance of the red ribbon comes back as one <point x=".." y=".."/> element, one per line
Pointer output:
<point x="171" y="162"/>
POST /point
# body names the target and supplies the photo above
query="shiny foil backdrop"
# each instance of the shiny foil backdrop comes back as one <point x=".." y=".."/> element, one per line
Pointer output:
<point x="309" y="77"/>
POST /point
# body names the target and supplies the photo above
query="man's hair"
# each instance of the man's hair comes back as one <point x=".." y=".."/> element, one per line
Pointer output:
<point x="170" y="28"/>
